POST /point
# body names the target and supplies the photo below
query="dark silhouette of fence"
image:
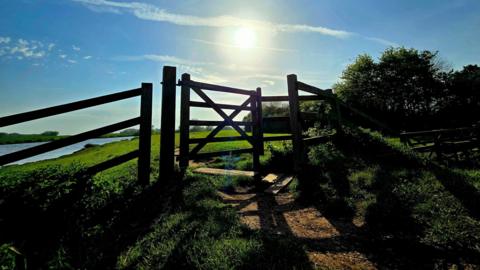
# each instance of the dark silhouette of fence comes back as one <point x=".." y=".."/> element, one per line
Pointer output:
<point x="250" y="104"/>
<point x="144" y="120"/>
<point x="253" y="103"/>
<point x="444" y="143"/>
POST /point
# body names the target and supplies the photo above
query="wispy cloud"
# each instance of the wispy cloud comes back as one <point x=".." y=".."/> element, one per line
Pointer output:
<point x="383" y="41"/>
<point x="150" y="12"/>
<point x="22" y="48"/>
<point x="63" y="56"/>
<point x="87" y="57"/>
<point x="75" y="48"/>
<point x="4" y="40"/>
<point x="227" y="45"/>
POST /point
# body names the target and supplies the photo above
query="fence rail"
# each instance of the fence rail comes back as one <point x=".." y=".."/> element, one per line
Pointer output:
<point x="443" y="142"/>
<point x="144" y="120"/>
<point x="250" y="104"/>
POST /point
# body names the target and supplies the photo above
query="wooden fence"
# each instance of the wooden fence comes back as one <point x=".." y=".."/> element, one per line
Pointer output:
<point x="251" y="103"/>
<point x="144" y="120"/>
<point x="444" y="143"/>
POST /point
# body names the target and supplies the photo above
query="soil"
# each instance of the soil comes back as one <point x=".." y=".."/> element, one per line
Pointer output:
<point x="329" y="243"/>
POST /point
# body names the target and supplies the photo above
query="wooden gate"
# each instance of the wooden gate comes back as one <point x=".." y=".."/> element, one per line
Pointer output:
<point x="252" y="103"/>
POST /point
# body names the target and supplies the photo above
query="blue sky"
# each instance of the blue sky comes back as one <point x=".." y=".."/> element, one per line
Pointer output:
<point x="57" y="51"/>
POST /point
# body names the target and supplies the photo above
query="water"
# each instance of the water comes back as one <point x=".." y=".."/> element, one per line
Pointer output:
<point x="10" y="148"/>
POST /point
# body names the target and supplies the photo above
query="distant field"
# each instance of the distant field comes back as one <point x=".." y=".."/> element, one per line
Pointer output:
<point x="28" y="138"/>
<point x="97" y="154"/>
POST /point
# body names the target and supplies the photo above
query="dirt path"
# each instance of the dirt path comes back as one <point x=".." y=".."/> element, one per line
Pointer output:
<point x="330" y="245"/>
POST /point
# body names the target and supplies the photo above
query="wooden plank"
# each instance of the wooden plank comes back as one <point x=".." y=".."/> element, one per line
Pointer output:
<point x="280" y="184"/>
<point x="219" y="88"/>
<point x="314" y="90"/>
<point x="214" y="132"/>
<point x="285" y="98"/>
<point x="184" y="123"/>
<point x="295" y="121"/>
<point x="221" y="153"/>
<point x="145" y="134"/>
<point x="55" y="110"/>
<point x="167" y="140"/>
<point x="213" y="171"/>
<point x="255" y="134"/>
<point x="317" y="140"/>
<point x="216" y="123"/>
<point x="260" y="121"/>
<point x="434" y="131"/>
<point x="221" y="106"/>
<point x="272" y="178"/>
<point x="224" y="115"/>
<point x="216" y="139"/>
<point x="46" y="147"/>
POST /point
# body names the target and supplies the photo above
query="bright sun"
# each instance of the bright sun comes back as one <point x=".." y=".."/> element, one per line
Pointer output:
<point x="244" y="38"/>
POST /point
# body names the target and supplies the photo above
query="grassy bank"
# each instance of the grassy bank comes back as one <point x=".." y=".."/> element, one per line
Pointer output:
<point x="410" y="202"/>
<point x="108" y="221"/>
<point x="29" y="138"/>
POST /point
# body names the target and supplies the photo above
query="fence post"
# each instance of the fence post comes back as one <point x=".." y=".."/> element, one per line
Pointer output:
<point x="260" y="120"/>
<point x="255" y="133"/>
<point x="145" y="135"/>
<point x="184" y="122"/>
<point x="167" y="129"/>
<point x="295" y="121"/>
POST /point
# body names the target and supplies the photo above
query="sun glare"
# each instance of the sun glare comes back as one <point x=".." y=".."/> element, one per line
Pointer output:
<point x="244" y="38"/>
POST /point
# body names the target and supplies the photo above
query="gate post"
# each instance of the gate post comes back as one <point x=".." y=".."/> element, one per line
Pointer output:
<point x="255" y="133"/>
<point x="167" y="126"/>
<point x="145" y="136"/>
<point x="184" y="122"/>
<point x="260" y="120"/>
<point x="295" y="121"/>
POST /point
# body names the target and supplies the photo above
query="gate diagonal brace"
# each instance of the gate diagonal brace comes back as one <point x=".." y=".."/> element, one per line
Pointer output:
<point x="227" y="120"/>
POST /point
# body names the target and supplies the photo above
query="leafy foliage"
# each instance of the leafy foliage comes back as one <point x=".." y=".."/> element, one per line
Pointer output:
<point x="411" y="89"/>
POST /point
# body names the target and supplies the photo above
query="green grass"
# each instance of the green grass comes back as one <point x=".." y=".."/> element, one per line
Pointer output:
<point x="28" y="138"/>
<point x="123" y="225"/>
<point x="96" y="154"/>
<point x="401" y="195"/>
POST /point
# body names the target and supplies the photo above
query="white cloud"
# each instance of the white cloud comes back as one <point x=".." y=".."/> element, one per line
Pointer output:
<point x="51" y="46"/>
<point x="26" y="49"/>
<point x="63" y="56"/>
<point x="268" y="83"/>
<point x="72" y="61"/>
<point x="75" y="48"/>
<point x="383" y="41"/>
<point x="4" y="40"/>
<point x="87" y="57"/>
<point x="154" y="13"/>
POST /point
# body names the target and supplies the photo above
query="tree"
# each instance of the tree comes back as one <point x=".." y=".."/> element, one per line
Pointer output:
<point x="50" y="133"/>
<point x="403" y="88"/>
<point x="462" y="100"/>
